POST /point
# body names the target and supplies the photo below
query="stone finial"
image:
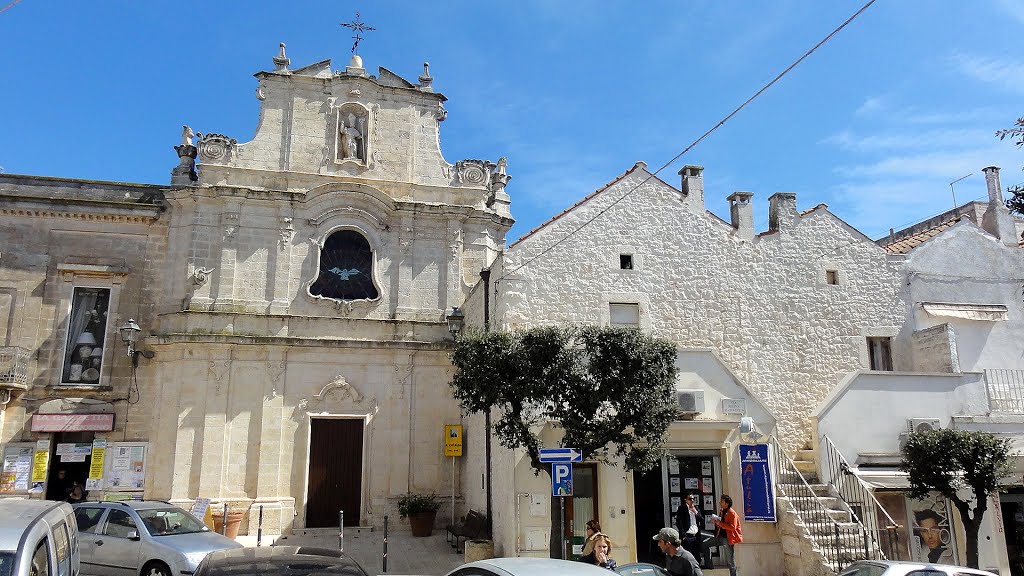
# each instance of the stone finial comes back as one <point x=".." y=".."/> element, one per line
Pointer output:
<point x="281" y="61"/>
<point x="426" y="82"/>
<point x="185" y="172"/>
<point x="355" y="66"/>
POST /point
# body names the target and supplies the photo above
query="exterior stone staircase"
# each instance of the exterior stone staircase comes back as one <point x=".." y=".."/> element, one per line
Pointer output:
<point x="819" y="533"/>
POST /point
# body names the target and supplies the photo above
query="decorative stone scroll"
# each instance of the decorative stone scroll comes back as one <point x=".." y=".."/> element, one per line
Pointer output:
<point x="215" y="148"/>
<point x="474" y="172"/>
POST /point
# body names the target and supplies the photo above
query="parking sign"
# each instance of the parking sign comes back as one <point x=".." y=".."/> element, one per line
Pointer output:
<point x="561" y="479"/>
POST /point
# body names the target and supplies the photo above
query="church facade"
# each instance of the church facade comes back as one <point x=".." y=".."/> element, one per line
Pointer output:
<point x="291" y="294"/>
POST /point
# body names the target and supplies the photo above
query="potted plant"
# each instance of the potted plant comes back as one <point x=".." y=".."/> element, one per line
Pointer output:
<point x="420" y="509"/>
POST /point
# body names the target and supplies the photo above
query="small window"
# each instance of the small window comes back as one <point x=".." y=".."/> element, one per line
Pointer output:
<point x="831" y="276"/>
<point x="624" y="315"/>
<point x="625" y="261"/>
<point x="88" y="518"/>
<point x="880" y="353"/>
<point x="87" y="330"/>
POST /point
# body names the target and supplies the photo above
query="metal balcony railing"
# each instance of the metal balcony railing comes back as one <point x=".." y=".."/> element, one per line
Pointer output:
<point x="14" y="367"/>
<point x="1005" y="390"/>
<point x="860" y="499"/>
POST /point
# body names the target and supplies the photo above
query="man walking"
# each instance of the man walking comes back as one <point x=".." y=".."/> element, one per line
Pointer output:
<point x="727" y="533"/>
<point x="678" y="561"/>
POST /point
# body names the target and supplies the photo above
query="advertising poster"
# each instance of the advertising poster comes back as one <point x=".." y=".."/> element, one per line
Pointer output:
<point x="932" y="539"/>
<point x="126" y="469"/>
<point x="99" y="452"/>
<point x="756" y="479"/>
<point x="673" y="484"/>
<point x="17" y="467"/>
<point x="40" y="462"/>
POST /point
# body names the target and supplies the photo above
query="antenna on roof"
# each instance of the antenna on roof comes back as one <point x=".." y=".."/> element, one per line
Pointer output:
<point x="953" y="192"/>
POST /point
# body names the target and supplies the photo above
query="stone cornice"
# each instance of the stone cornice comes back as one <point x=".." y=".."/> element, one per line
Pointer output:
<point x="295" y="341"/>
<point x="78" y="209"/>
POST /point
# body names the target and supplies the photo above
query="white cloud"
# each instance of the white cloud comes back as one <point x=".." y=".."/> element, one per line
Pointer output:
<point x="1012" y="7"/>
<point x="905" y="139"/>
<point x="871" y="106"/>
<point x="1004" y="73"/>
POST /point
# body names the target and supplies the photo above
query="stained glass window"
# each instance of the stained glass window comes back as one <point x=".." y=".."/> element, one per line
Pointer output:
<point x="346" y="268"/>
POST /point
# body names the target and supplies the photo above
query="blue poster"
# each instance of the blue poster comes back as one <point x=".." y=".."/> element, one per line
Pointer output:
<point x="756" y="475"/>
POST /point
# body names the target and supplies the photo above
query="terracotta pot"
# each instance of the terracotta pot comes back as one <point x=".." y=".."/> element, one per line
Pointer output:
<point x="422" y="524"/>
<point x="234" y="521"/>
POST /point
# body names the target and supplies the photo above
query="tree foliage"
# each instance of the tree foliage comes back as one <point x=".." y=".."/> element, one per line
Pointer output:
<point x="611" y="390"/>
<point x="1016" y="201"/>
<point x="952" y="461"/>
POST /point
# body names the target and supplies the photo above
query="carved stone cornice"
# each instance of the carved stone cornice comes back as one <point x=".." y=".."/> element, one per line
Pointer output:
<point x="140" y="215"/>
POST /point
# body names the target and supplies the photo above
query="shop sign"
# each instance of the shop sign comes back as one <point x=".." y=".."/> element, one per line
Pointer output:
<point x="756" y="477"/>
<point x="72" y="423"/>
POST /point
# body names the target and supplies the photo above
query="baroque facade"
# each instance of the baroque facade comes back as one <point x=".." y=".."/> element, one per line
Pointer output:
<point x="291" y="292"/>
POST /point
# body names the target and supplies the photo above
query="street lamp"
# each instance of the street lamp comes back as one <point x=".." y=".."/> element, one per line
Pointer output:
<point x="456" y="320"/>
<point x="129" y="334"/>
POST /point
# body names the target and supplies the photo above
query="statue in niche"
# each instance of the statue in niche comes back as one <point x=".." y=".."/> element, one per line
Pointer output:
<point x="352" y="138"/>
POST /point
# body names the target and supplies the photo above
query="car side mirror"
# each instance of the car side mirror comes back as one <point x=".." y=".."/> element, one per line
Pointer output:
<point x="134" y="535"/>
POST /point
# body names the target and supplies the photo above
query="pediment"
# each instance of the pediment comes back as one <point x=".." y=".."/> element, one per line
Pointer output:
<point x="321" y="69"/>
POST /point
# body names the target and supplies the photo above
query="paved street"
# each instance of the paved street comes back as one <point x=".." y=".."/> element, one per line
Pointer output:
<point x="431" y="556"/>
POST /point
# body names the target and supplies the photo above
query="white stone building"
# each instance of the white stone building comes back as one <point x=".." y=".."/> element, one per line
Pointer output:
<point x="771" y="319"/>
<point x="291" y="292"/>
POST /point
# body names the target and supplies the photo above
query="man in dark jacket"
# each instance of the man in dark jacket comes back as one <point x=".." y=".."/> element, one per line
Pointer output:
<point x="678" y="561"/>
<point x="689" y="521"/>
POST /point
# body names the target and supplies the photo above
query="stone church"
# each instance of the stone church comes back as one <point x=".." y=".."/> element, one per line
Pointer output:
<point x="290" y="294"/>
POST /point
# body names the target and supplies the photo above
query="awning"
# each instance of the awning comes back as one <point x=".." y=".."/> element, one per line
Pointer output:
<point x="984" y="312"/>
<point x="883" y="479"/>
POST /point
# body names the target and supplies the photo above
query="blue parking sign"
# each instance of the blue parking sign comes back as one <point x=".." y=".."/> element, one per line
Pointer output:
<point x="561" y="479"/>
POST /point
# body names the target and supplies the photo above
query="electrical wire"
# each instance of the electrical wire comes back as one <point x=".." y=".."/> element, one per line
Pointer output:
<point x="9" y="5"/>
<point x="694" y="143"/>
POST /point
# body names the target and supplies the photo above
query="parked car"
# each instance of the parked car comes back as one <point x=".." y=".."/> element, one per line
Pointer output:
<point x="279" y="561"/>
<point x="527" y="567"/>
<point x="640" y="569"/>
<point x="891" y="568"/>
<point x="38" y="538"/>
<point x="150" y="538"/>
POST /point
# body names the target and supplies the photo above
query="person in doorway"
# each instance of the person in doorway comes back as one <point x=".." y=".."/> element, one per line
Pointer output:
<point x="601" y="554"/>
<point x="929" y="530"/>
<point x="59" y="486"/>
<point x="593" y="529"/>
<point x="678" y="561"/>
<point x="76" y="493"/>
<point x="727" y="533"/>
<point x="689" y="521"/>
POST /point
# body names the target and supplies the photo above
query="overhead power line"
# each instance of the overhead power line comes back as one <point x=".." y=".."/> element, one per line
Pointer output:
<point x="9" y="5"/>
<point x="694" y="143"/>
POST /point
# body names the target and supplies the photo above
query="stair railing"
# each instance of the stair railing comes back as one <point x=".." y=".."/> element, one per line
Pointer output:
<point x="866" y="509"/>
<point x="839" y="543"/>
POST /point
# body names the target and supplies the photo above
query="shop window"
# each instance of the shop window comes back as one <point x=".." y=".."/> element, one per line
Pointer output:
<point x="87" y="331"/>
<point x="880" y="353"/>
<point x="624" y="315"/>
<point x="346" y="268"/>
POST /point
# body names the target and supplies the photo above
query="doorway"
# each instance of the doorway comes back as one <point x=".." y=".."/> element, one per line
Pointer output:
<point x="583" y="506"/>
<point x="69" y="463"/>
<point x="335" y="471"/>
<point x="1011" y="504"/>
<point x="648" y="503"/>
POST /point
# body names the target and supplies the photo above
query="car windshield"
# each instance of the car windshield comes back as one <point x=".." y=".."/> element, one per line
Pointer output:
<point x="6" y="563"/>
<point x="170" y="521"/>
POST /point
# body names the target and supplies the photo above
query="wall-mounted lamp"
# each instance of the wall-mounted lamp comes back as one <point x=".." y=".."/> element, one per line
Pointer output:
<point x="129" y="335"/>
<point x="456" y="320"/>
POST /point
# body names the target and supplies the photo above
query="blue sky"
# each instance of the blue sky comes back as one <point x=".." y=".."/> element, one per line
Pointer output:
<point x="875" y="124"/>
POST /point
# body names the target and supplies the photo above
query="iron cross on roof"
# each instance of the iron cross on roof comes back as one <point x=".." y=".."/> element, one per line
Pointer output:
<point x="358" y="27"/>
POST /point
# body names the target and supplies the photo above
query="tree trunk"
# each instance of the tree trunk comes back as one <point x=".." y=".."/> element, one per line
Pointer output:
<point x="971" y="533"/>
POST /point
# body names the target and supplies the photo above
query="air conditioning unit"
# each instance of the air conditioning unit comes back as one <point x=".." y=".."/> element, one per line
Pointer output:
<point x="690" y="401"/>
<point x="923" y="424"/>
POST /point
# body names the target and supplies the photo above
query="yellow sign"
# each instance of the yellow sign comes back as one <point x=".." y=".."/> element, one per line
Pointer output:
<point x="99" y="452"/>
<point x="453" y="439"/>
<point x="40" y="461"/>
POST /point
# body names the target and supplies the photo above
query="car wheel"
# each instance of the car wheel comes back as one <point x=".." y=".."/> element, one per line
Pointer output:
<point x="155" y="569"/>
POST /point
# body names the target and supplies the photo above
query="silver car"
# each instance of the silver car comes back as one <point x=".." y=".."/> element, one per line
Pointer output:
<point x="150" y="538"/>
<point x="528" y="567"/>
<point x="890" y="568"/>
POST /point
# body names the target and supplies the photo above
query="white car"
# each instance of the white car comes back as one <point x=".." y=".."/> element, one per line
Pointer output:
<point x="890" y="568"/>
<point x="528" y="567"/>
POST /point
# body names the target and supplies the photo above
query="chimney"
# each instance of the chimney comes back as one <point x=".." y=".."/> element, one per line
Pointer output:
<point x="742" y="212"/>
<point x="781" y="211"/>
<point x="997" y="220"/>
<point x="693" y="187"/>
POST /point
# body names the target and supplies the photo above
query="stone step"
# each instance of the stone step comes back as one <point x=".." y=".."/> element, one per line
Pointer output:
<point x="806" y="455"/>
<point x="806" y="466"/>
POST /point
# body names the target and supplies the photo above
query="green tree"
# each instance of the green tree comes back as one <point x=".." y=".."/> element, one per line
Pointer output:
<point x="1016" y="201"/>
<point x="952" y="461"/>
<point x="611" y="390"/>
